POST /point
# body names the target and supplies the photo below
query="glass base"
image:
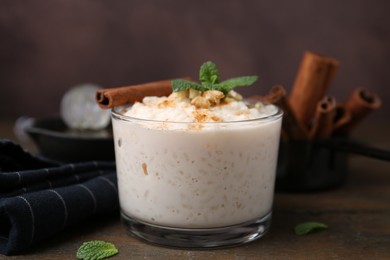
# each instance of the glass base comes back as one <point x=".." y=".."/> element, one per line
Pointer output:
<point x="198" y="237"/>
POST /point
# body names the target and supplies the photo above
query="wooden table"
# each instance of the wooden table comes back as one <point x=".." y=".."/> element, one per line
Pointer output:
<point x="358" y="216"/>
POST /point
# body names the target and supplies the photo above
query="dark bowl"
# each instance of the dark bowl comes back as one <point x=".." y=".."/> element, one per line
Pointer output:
<point x="56" y="141"/>
<point x="305" y="166"/>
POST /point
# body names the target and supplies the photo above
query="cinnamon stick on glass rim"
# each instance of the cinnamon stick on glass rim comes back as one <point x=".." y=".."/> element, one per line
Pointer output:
<point x="291" y="126"/>
<point x="359" y="105"/>
<point x="311" y="83"/>
<point x="322" y="125"/>
<point x="112" y="97"/>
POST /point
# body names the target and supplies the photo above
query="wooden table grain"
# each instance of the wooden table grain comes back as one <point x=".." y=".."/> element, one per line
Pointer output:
<point x="358" y="216"/>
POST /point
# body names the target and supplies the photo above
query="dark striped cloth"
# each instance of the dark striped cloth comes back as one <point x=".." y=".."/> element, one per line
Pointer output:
<point x="39" y="198"/>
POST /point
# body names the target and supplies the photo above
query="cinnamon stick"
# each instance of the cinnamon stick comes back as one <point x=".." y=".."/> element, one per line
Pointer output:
<point x="322" y="126"/>
<point x="291" y="126"/>
<point x="311" y="83"/>
<point x="342" y="117"/>
<point x="359" y="105"/>
<point x="111" y="97"/>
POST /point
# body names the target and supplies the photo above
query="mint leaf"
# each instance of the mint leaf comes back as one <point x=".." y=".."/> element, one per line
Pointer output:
<point x="181" y="85"/>
<point x="95" y="250"/>
<point x="209" y="80"/>
<point x="208" y="73"/>
<point x="230" y="84"/>
<point x="308" y="227"/>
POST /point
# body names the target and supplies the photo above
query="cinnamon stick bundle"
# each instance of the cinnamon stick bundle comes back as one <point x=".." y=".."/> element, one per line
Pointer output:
<point x="311" y="83"/>
<point x="291" y="126"/>
<point x="359" y="105"/>
<point x="111" y="97"/>
<point x="322" y="125"/>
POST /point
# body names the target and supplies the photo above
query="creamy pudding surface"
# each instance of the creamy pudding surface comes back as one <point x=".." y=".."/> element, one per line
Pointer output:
<point x="187" y="166"/>
<point x="178" y="109"/>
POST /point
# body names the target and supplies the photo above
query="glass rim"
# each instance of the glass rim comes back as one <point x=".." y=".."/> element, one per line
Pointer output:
<point x="274" y="116"/>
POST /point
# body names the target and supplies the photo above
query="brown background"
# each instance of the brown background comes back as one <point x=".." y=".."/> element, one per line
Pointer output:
<point x="48" y="46"/>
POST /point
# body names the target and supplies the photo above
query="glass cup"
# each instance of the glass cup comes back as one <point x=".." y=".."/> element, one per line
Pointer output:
<point x="199" y="185"/>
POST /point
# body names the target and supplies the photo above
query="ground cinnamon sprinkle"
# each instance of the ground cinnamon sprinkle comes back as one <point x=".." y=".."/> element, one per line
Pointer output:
<point x="216" y="118"/>
<point x="195" y="127"/>
<point x="166" y="103"/>
<point x="145" y="168"/>
<point x="202" y="115"/>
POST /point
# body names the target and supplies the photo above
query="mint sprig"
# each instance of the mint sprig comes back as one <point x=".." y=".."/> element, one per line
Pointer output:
<point x="309" y="227"/>
<point x="209" y="80"/>
<point x="95" y="250"/>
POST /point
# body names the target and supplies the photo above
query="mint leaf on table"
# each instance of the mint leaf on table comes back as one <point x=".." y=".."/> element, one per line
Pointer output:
<point x="95" y="250"/>
<point x="209" y="80"/>
<point x="308" y="227"/>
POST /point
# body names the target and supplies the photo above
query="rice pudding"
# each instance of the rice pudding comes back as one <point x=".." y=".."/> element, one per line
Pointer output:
<point x="184" y="166"/>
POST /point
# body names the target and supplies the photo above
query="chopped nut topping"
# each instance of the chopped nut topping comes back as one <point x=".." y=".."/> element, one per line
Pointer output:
<point x="200" y="102"/>
<point x="207" y="99"/>
<point x="214" y="96"/>
<point x="236" y="96"/>
<point x="193" y="93"/>
<point x="180" y="95"/>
